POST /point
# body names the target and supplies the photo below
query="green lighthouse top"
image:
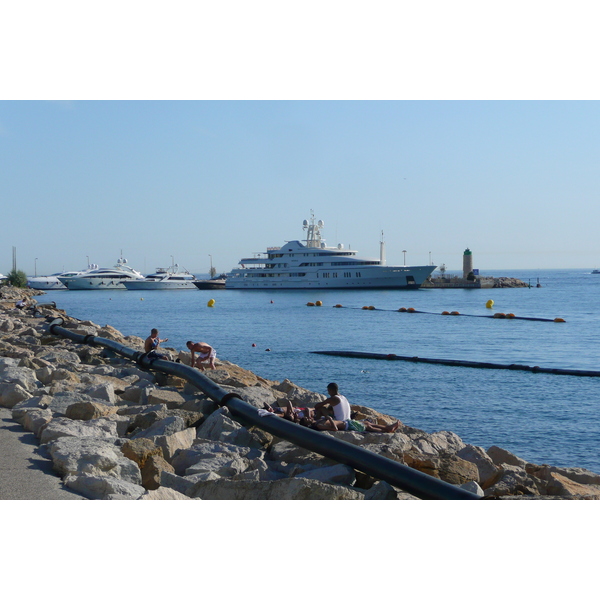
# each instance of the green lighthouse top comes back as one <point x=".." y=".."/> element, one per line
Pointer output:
<point x="467" y="251"/>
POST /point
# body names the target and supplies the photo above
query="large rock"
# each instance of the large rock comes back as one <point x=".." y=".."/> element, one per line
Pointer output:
<point x="85" y="411"/>
<point x="336" y="474"/>
<point x="97" y="487"/>
<point x="167" y="426"/>
<point x="170" y="398"/>
<point x="152" y="471"/>
<point x="489" y="473"/>
<point x="140" y="450"/>
<point x="89" y="456"/>
<point x="165" y="493"/>
<point x="35" y="419"/>
<point x="504" y="457"/>
<point x="64" y="427"/>
<point x="515" y="481"/>
<point x="12" y="394"/>
<point x="282" y="489"/>
<point x="26" y="378"/>
<point x="179" y="440"/>
<point x="449" y="468"/>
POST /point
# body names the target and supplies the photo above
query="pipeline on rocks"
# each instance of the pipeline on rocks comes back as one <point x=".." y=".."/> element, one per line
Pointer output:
<point x="414" y="482"/>
<point x="458" y="363"/>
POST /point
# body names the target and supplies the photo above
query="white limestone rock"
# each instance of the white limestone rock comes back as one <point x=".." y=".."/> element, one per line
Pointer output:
<point x="12" y="394"/>
<point x="91" y="456"/>
<point x="336" y="474"/>
<point x="97" y="487"/>
<point x="65" y="427"/>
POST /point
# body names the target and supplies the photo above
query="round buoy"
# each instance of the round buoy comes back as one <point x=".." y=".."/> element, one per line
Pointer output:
<point x="411" y="310"/>
<point x="510" y="316"/>
<point x="272" y="302"/>
<point x="489" y="304"/>
<point x="445" y="312"/>
<point x="210" y="303"/>
<point x="402" y="309"/>
<point x="338" y="306"/>
<point x="319" y="303"/>
<point x="455" y="312"/>
<point x="310" y="304"/>
<point x="371" y="308"/>
<point x="141" y="298"/>
<point x="365" y="308"/>
<point x="559" y="320"/>
<point x="499" y="316"/>
<point x="267" y="349"/>
<point x="254" y="345"/>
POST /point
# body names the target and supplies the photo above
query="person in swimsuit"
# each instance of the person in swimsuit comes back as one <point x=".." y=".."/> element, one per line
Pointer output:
<point x="291" y="413"/>
<point x="329" y="424"/>
<point x="205" y="353"/>
<point x="151" y="345"/>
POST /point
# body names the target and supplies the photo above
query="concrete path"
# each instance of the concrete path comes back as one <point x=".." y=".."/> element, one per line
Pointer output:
<point x="24" y="473"/>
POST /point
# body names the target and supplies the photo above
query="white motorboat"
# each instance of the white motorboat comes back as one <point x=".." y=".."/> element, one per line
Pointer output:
<point x="102" y="278"/>
<point x="171" y="278"/>
<point x="314" y="265"/>
<point x="51" y="282"/>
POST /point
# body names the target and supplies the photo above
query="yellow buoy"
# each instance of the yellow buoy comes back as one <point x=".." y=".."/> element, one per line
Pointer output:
<point x="559" y="320"/>
<point x="371" y="308"/>
<point x="210" y="303"/>
<point x="319" y="303"/>
<point x="365" y="308"/>
<point x="489" y="304"/>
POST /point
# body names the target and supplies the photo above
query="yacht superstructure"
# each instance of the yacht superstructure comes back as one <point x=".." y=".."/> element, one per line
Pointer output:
<point x="315" y="265"/>
<point x="102" y="278"/>
<point x="170" y="278"/>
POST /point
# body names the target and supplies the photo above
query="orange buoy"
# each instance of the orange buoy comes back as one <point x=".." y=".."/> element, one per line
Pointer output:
<point x="445" y="312"/>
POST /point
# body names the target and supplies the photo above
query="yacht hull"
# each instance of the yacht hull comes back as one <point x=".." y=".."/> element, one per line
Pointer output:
<point x="380" y="277"/>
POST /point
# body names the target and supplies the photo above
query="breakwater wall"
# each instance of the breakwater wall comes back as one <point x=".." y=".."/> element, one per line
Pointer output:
<point x="116" y="430"/>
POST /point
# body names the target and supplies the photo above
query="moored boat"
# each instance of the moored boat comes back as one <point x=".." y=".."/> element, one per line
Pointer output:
<point x="314" y="265"/>
<point x="214" y="283"/>
<point x="170" y="278"/>
<point x="103" y="278"/>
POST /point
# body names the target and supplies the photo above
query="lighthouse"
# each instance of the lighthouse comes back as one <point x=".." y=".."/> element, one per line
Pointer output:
<point x="467" y="263"/>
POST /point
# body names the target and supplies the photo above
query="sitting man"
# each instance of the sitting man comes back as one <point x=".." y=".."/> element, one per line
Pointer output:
<point x="151" y="345"/>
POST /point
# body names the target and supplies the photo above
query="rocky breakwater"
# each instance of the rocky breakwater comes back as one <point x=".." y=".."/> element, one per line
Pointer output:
<point x="115" y="431"/>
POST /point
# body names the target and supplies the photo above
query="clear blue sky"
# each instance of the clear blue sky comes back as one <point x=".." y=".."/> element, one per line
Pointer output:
<point x="515" y="181"/>
<point x="215" y="128"/>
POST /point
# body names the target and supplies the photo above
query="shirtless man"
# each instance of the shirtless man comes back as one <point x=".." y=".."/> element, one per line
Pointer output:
<point x="151" y="345"/>
<point x="329" y="424"/>
<point x="205" y="353"/>
<point x="336" y="402"/>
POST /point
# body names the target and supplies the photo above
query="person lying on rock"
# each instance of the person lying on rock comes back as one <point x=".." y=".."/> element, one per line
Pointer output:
<point x="291" y="413"/>
<point x="329" y="424"/>
<point x="205" y="353"/>
<point x="151" y="345"/>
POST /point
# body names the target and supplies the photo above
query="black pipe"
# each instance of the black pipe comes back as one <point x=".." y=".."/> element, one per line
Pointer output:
<point x="458" y="363"/>
<point x="414" y="482"/>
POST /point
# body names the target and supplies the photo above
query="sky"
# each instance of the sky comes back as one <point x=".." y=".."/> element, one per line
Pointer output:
<point x="426" y="126"/>
<point x="516" y="182"/>
<point x="137" y="162"/>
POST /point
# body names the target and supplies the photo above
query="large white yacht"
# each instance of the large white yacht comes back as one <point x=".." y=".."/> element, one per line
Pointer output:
<point x="102" y="278"/>
<point x="51" y="282"/>
<point x="315" y="265"/>
<point x="170" y="278"/>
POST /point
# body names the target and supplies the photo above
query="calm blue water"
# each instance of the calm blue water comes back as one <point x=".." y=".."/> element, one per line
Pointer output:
<point x="542" y="418"/>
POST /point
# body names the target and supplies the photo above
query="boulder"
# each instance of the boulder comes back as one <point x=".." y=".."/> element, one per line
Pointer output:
<point x="62" y="400"/>
<point x="179" y="440"/>
<point x="167" y="426"/>
<point x="12" y="394"/>
<point x="448" y="467"/>
<point x="140" y="450"/>
<point x="20" y="409"/>
<point x="64" y="427"/>
<point x="96" y="487"/>
<point x="164" y="493"/>
<point x="87" y="410"/>
<point x="381" y="490"/>
<point x="105" y="392"/>
<point x="504" y="457"/>
<point x="515" y="481"/>
<point x="26" y="378"/>
<point x="170" y="398"/>
<point x="35" y="419"/>
<point x="489" y="473"/>
<point x="152" y="470"/>
<point x="282" y="489"/>
<point x="90" y="456"/>
<point x="336" y="474"/>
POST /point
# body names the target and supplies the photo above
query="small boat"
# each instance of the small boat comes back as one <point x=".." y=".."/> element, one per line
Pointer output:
<point x="314" y="265"/>
<point x="214" y="283"/>
<point x="170" y="278"/>
<point x="596" y="272"/>
<point x="102" y="278"/>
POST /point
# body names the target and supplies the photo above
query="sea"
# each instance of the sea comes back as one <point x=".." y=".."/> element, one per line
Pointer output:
<point x="543" y="418"/>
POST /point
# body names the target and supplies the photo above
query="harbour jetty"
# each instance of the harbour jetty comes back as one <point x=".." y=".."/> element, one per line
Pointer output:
<point x="446" y="282"/>
<point x="115" y="430"/>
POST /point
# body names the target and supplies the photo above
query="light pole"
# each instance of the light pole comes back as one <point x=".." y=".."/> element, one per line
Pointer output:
<point x="88" y="258"/>
<point x="35" y="268"/>
<point x="211" y="273"/>
<point x="404" y="252"/>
